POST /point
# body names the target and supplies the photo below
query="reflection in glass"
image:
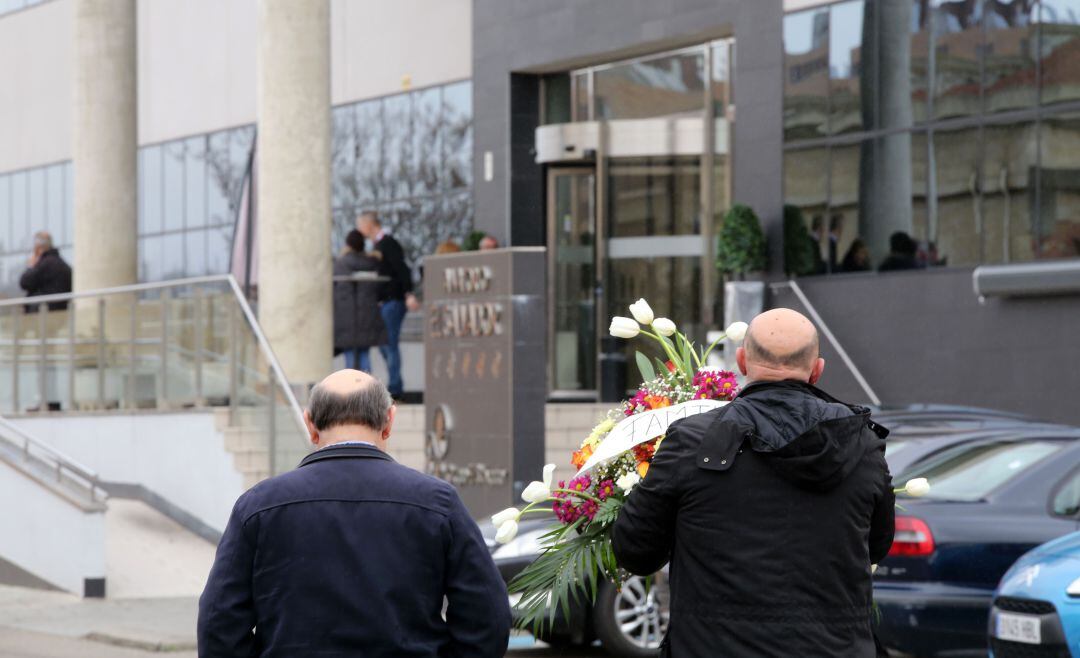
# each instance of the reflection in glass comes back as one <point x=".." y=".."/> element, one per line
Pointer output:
<point x="574" y="262"/>
<point x="150" y="197"/>
<point x="218" y="247"/>
<point x="806" y="74"/>
<point x="845" y="38"/>
<point x="1058" y="231"/>
<point x="54" y="204"/>
<point x="195" y="181"/>
<point x="150" y="258"/>
<point x="1009" y="61"/>
<point x="1059" y="50"/>
<point x="195" y="253"/>
<point x="955" y="53"/>
<point x="919" y="50"/>
<point x="35" y="216"/>
<point x="960" y="219"/>
<point x="427" y="147"/>
<point x="666" y="86"/>
<point x="172" y="256"/>
<point x="721" y="78"/>
<point x="654" y="196"/>
<point x="1008" y="168"/>
<point x="397" y="156"/>
<point x="580" y="90"/>
<point x="219" y="177"/>
<point x="6" y="222"/>
<point x="457" y="134"/>
<point x="344" y="185"/>
<point x="557" y="103"/>
<point x="173" y="186"/>
<point x="806" y="186"/>
<point x="20" y="212"/>
<point x="369" y="149"/>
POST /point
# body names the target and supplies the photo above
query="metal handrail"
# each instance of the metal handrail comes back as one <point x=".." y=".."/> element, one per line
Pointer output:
<point x="824" y="328"/>
<point x="276" y="370"/>
<point x="55" y="459"/>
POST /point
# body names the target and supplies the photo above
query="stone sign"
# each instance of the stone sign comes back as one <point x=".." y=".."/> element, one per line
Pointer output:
<point x="486" y="373"/>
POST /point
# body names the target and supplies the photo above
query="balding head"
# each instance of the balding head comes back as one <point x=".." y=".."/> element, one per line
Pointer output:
<point x="349" y="405"/>
<point x="781" y="344"/>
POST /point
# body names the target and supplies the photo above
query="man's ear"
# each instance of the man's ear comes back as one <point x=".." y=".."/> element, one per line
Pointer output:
<point x="313" y="432"/>
<point x="740" y="359"/>
<point x="390" y="417"/>
<point x="815" y="373"/>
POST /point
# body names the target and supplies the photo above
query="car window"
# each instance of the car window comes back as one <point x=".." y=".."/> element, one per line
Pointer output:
<point x="893" y="447"/>
<point x="970" y="472"/>
<point x="1067" y="499"/>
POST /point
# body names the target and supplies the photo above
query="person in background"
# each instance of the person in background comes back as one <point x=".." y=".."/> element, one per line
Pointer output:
<point x="901" y="253"/>
<point x="836" y="228"/>
<point x="358" y="324"/>
<point x="488" y="242"/>
<point x="857" y="258"/>
<point x="351" y="553"/>
<point x="399" y="285"/>
<point x="448" y="247"/>
<point x="813" y="236"/>
<point x="47" y="273"/>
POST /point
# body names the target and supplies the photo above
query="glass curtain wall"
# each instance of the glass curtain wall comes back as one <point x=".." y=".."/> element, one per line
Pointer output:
<point x="32" y="200"/>
<point x="923" y="133"/>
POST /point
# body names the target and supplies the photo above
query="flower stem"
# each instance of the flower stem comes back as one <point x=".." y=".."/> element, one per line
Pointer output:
<point x="579" y="494"/>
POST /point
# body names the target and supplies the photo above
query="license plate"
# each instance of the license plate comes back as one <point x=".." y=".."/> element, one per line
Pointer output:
<point x="1018" y="628"/>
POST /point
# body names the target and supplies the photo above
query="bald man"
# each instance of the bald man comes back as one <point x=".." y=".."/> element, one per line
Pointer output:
<point x="771" y="511"/>
<point x="352" y="554"/>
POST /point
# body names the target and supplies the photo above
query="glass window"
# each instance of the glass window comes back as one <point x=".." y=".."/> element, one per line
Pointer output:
<point x="1009" y="56"/>
<point x="370" y="137"/>
<point x="654" y="196"/>
<point x="36" y="217"/>
<point x="427" y="147"/>
<point x="1057" y="232"/>
<point x="218" y="249"/>
<point x="69" y="202"/>
<point x="6" y="222"/>
<point x="20" y="212"/>
<point x="1009" y="167"/>
<point x="219" y="178"/>
<point x="150" y="258"/>
<point x="919" y="53"/>
<point x="150" y="193"/>
<point x="173" y="186"/>
<point x="195" y="252"/>
<point x="806" y="188"/>
<point x="959" y="222"/>
<point x="666" y="86"/>
<point x="1059" y="40"/>
<point x="457" y="126"/>
<point x="972" y="472"/>
<point x="195" y="181"/>
<point x="398" y="154"/>
<point x="845" y="40"/>
<point x="806" y="74"/>
<point x="172" y="256"/>
<point x="343" y="157"/>
<point x="580" y="90"/>
<point x="557" y="103"/>
<point x="721" y="78"/>
<point x="1067" y="500"/>
<point x="54" y="204"/>
<point x="957" y="43"/>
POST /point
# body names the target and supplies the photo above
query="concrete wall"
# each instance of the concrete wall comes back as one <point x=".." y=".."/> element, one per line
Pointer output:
<point x="181" y="456"/>
<point x="512" y="36"/>
<point x="196" y="65"/>
<point x="924" y="337"/>
<point x="47" y="535"/>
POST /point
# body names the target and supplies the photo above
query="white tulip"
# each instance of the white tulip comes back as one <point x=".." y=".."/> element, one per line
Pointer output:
<point x="628" y="481"/>
<point x="508" y="514"/>
<point x="664" y="326"/>
<point x="623" y="327"/>
<point x="917" y="488"/>
<point x="736" y="331"/>
<point x="538" y="492"/>
<point x="642" y="312"/>
<point x="506" y="532"/>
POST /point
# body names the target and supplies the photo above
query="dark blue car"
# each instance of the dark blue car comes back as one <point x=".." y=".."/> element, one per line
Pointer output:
<point x="995" y="495"/>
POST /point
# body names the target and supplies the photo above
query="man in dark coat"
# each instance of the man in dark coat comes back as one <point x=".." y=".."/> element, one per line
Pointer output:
<point x="352" y="554"/>
<point x="358" y="324"/>
<point x="399" y="286"/>
<point x="47" y="273"/>
<point x="771" y="510"/>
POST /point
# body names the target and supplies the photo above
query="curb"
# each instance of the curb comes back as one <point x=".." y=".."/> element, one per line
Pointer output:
<point x="142" y="645"/>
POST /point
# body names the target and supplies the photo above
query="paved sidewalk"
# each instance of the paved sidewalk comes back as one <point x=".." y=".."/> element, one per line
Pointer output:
<point x="159" y="624"/>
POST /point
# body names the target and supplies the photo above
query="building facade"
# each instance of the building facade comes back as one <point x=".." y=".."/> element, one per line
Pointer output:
<point x="937" y="135"/>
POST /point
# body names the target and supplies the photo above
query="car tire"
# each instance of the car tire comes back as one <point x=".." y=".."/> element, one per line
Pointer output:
<point x="620" y="618"/>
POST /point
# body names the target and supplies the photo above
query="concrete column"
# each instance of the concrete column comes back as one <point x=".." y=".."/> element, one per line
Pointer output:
<point x="104" y="144"/>
<point x="295" y="290"/>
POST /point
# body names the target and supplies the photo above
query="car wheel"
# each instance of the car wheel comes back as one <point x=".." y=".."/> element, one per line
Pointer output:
<point x="632" y="621"/>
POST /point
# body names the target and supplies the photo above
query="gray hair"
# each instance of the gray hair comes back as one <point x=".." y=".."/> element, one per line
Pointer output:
<point x="43" y="239"/>
<point x="368" y="406"/>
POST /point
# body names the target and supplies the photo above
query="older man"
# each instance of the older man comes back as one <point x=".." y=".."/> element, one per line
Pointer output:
<point x="770" y="509"/>
<point x="395" y="295"/>
<point x="47" y="273"/>
<point x="352" y="554"/>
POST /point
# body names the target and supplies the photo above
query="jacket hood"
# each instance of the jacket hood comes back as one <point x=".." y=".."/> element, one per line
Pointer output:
<point x="811" y="439"/>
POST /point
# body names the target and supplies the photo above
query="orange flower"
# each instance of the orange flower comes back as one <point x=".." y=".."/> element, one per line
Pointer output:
<point x="581" y="456"/>
<point x="657" y="401"/>
<point x="642" y="468"/>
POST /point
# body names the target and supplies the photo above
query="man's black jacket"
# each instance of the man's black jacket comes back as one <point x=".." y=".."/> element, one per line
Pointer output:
<point x="352" y="554"/>
<point x="771" y="511"/>
<point x="393" y="265"/>
<point x="50" y="276"/>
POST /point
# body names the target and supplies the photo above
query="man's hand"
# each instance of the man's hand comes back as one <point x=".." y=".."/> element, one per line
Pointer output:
<point x="411" y="302"/>
<point x="35" y="256"/>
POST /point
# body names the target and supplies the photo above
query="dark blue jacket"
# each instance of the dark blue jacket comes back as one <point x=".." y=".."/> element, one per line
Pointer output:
<point x="352" y="554"/>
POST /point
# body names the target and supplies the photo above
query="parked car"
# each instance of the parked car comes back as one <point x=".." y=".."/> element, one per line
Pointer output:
<point x="994" y="496"/>
<point x="630" y="622"/>
<point x="1037" y="606"/>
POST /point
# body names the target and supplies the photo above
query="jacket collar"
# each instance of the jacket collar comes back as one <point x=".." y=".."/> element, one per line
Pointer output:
<point x="789" y="384"/>
<point x="346" y="451"/>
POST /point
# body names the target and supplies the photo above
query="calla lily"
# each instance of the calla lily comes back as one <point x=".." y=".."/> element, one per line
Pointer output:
<point x="506" y="532"/>
<point x="917" y="488"/>
<point x="628" y="481"/>
<point x="642" y="312"/>
<point x="664" y="326"/>
<point x="623" y="327"/>
<point x="508" y="514"/>
<point x="538" y="492"/>
<point x="736" y="331"/>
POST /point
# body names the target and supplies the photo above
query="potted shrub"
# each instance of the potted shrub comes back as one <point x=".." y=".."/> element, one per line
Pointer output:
<point x="798" y="245"/>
